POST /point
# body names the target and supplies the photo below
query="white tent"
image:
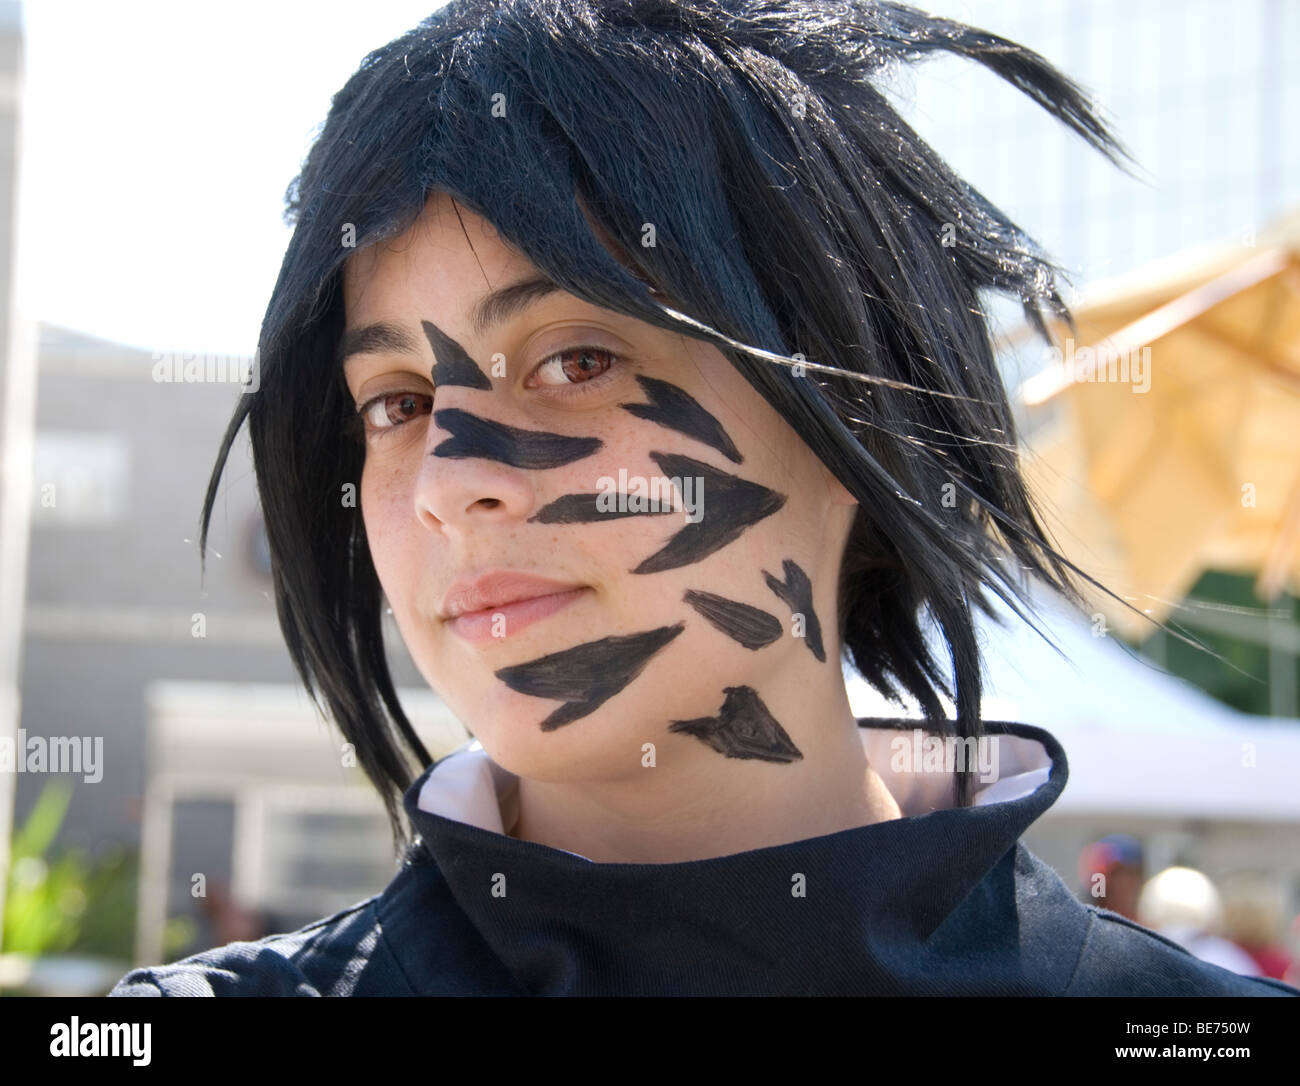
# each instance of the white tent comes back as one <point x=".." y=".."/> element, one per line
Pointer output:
<point x="1138" y="740"/>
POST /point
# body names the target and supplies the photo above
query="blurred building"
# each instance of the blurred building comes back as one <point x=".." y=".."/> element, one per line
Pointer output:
<point x="16" y="386"/>
<point x="1205" y="94"/>
<point x="124" y="641"/>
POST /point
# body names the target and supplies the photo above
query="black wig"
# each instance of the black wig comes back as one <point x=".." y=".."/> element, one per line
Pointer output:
<point x="735" y="158"/>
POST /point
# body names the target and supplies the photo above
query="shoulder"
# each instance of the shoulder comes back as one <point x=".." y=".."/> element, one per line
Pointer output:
<point x="1071" y="947"/>
<point x="1120" y="957"/>
<point x="339" y="955"/>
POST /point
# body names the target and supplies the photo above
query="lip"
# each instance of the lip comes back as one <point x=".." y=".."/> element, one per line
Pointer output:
<point x="470" y="607"/>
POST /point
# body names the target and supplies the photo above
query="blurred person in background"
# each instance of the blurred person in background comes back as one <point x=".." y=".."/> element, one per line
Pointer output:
<point x="1182" y="904"/>
<point x="1111" y="872"/>
<point x="1253" y="918"/>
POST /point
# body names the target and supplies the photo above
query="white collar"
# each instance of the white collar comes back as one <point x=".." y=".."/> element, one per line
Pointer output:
<point x="468" y="786"/>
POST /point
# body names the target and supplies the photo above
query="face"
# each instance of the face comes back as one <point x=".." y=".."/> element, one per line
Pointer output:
<point x="687" y="541"/>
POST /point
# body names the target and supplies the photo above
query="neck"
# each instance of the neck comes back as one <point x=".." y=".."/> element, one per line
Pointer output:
<point x="697" y="804"/>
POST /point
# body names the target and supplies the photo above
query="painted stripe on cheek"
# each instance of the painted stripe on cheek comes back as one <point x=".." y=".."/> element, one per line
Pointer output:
<point x="675" y="409"/>
<point x="586" y="676"/>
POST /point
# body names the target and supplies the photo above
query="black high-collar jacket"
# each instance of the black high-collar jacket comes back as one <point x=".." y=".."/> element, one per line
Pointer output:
<point x="943" y="901"/>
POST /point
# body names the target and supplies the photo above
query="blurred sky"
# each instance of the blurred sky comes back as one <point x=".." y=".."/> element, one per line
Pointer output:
<point x="159" y="137"/>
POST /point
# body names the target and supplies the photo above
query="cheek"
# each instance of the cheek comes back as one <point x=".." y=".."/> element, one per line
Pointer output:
<point x="387" y="513"/>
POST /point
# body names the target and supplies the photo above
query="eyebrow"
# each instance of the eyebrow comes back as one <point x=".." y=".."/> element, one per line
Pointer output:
<point x="489" y="311"/>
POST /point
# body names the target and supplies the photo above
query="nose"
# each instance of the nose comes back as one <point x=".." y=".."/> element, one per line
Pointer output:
<point x="454" y="494"/>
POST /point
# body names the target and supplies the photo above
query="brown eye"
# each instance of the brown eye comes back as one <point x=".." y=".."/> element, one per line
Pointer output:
<point x="391" y="409"/>
<point x="576" y="365"/>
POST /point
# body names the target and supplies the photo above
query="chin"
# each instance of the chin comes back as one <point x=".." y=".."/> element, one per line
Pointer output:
<point x="585" y="749"/>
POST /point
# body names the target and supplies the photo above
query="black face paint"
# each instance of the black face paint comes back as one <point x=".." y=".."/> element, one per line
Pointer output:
<point x="796" y="593"/>
<point x="743" y="729"/>
<point x="583" y="509"/>
<point x="677" y="410"/>
<point x="452" y="365"/>
<point x="476" y="438"/>
<point x="733" y="505"/>
<point x="586" y="676"/>
<point x="751" y="626"/>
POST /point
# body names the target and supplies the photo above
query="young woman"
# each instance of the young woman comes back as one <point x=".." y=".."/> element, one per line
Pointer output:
<point x="633" y="354"/>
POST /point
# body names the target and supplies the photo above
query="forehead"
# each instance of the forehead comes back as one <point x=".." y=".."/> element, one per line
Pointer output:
<point x="446" y="259"/>
<point x="452" y="252"/>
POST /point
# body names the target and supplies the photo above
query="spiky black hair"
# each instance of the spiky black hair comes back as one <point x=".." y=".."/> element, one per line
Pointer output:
<point x="796" y="219"/>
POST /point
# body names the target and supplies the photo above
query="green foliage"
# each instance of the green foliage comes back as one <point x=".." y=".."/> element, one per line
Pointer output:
<point x="178" y="937"/>
<point x="1241" y="679"/>
<point x="66" y="900"/>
